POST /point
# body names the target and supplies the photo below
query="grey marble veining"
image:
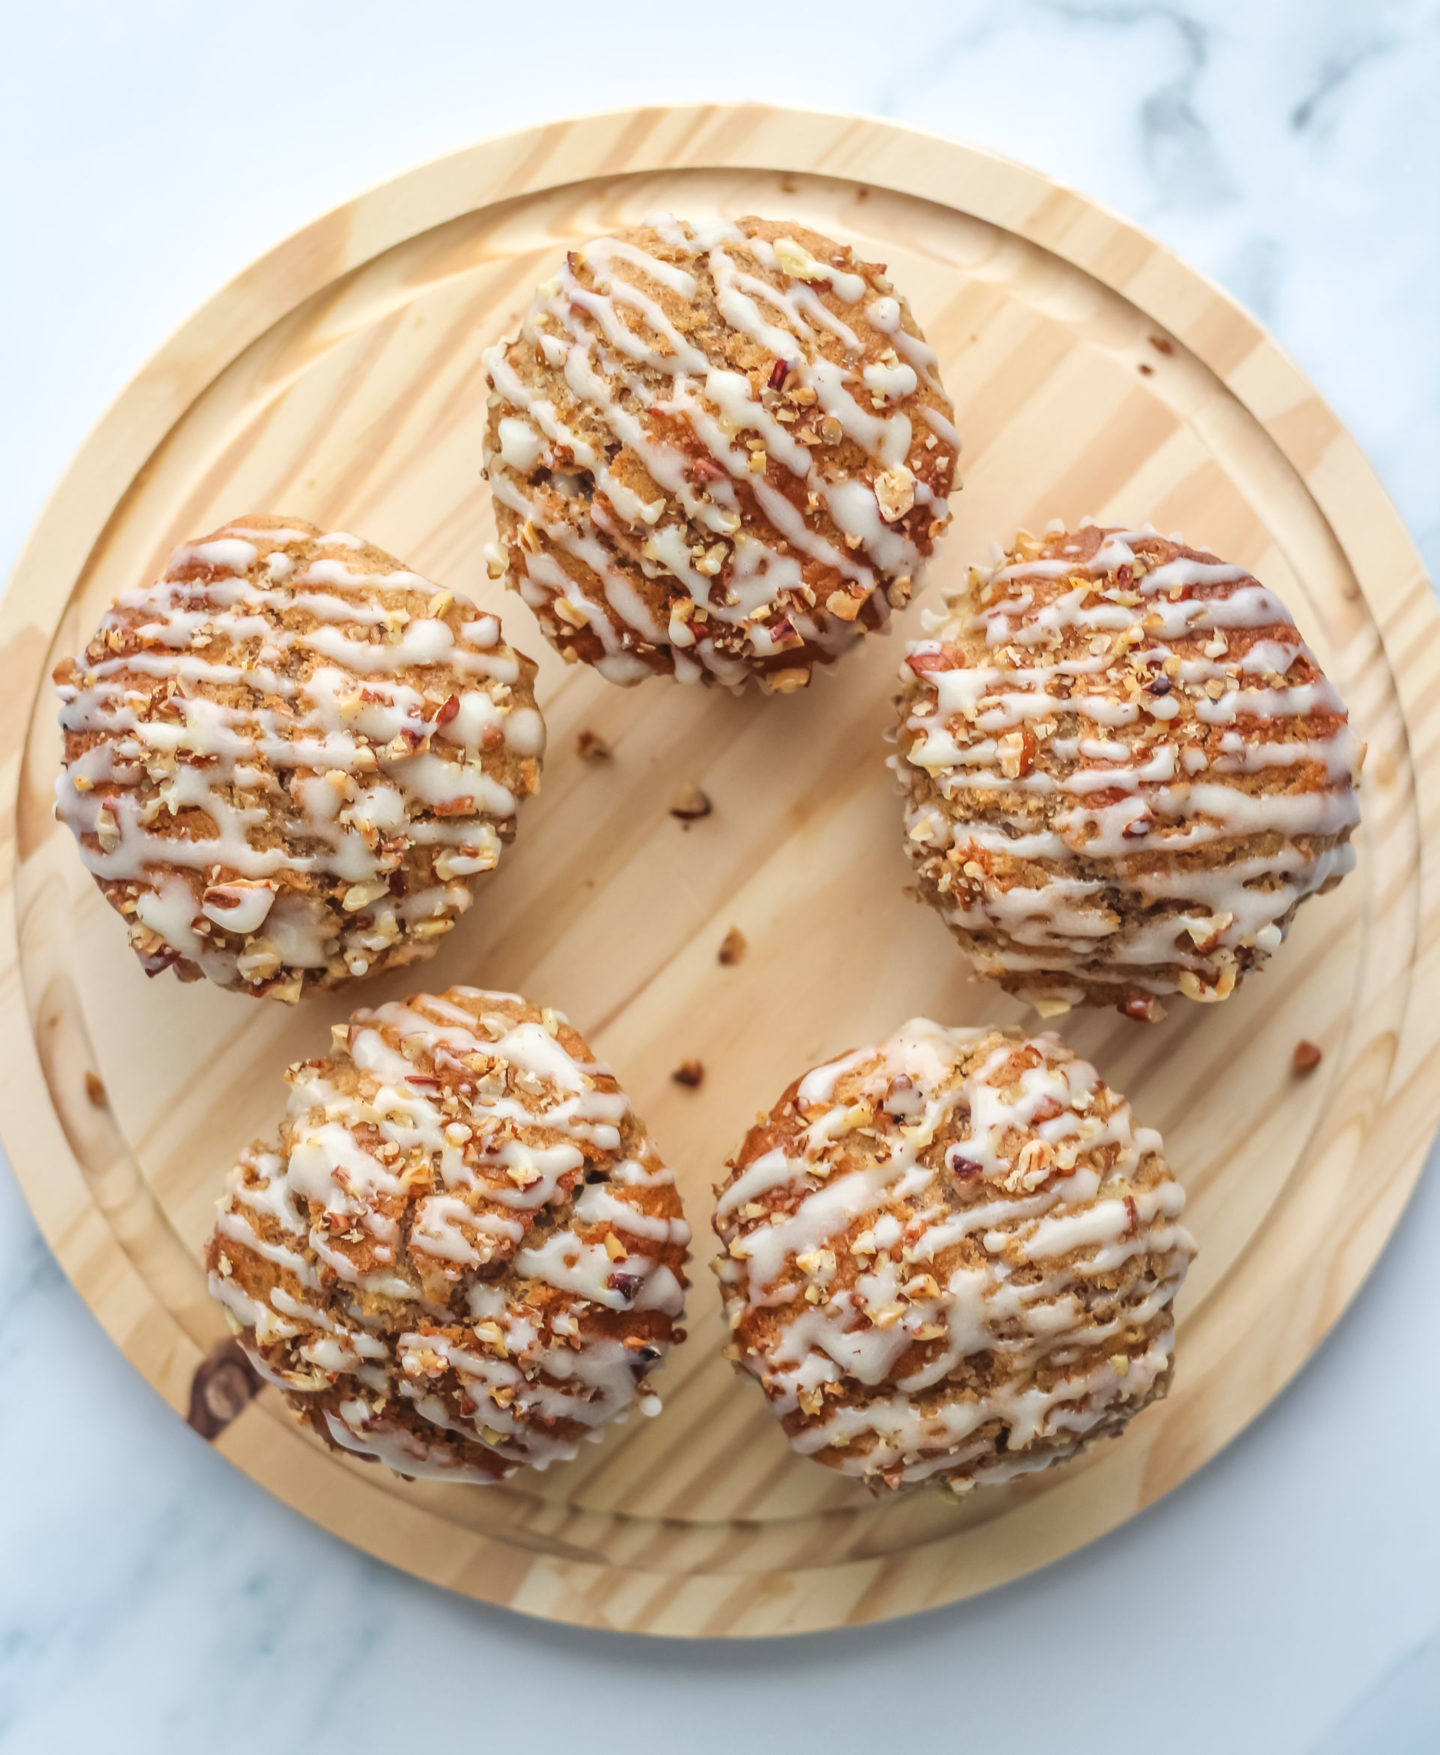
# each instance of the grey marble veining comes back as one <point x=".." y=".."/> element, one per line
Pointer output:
<point x="1283" y="1601"/>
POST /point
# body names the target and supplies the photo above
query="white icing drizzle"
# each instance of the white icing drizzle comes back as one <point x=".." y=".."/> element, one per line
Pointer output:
<point x="760" y="583"/>
<point x="943" y="1198"/>
<point x="285" y="757"/>
<point x="469" y="1115"/>
<point x="1178" y="679"/>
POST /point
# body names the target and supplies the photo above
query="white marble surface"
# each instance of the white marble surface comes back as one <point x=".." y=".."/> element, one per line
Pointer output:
<point x="1285" y="1600"/>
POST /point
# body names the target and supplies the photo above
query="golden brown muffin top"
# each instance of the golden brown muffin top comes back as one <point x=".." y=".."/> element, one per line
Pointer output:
<point x="286" y="759"/>
<point x="948" y="1237"/>
<point x="717" y="450"/>
<point x="1125" y="766"/>
<point x="465" y="1248"/>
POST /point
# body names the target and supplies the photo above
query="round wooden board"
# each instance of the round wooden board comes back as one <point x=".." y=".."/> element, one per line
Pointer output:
<point x="339" y="379"/>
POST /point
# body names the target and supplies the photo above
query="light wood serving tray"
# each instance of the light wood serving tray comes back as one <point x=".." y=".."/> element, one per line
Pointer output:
<point x="339" y="379"/>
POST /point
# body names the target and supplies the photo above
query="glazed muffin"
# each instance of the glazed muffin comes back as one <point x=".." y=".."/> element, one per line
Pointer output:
<point x="951" y="1258"/>
<point x="1124" y="770"/>
<point x="464" y="1253"/>
<point x="717" y="452"/>
<point x="289" y="761"/>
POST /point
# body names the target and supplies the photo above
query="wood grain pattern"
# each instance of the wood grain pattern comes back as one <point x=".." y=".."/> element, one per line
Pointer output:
<point x="339" y="379"/>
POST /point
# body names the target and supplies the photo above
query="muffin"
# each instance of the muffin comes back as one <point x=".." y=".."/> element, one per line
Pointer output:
<point x="464" y="1254"/>
<point x="951" y="1258"/>
<point x="289" y="761"/>
<point x="717" y="452"/>
<point x="1124" y="770"/>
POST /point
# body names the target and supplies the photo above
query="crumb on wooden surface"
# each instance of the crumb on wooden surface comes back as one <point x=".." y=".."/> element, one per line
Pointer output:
<point x="732" y="947"/>
<point x="1307" y="1057"/>
<point x="690" y="804"/>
